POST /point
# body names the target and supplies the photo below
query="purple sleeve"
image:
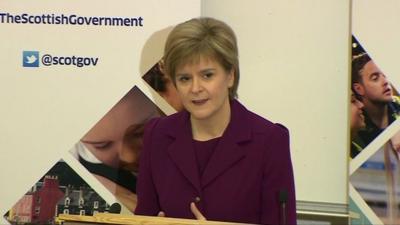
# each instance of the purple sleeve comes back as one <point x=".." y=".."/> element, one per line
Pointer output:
<point x="278" y="197"/>
<point x="147" y="203"/>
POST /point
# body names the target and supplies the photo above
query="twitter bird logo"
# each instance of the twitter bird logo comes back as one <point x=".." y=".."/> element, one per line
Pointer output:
<point x="30" y="59"/>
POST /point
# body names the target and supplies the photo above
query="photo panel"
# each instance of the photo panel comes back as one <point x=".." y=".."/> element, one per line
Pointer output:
<point x="359" y="211"/>
<point x="110" y="150"/>
<point x="375" y="102"/>
<point x="356" y="215"/>
<point x="163" y="85"/>
<point x="60" y="191"/>
<point x="377" y="182"/>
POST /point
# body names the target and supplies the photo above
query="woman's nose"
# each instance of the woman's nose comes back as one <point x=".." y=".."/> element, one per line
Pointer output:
<point x="196" y="85"/>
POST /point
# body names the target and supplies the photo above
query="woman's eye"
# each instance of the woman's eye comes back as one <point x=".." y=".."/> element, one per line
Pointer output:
<point x="183" y="78"/>
<point x="208" y="75"/>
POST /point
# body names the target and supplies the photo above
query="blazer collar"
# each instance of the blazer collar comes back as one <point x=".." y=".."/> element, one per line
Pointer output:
<point x="227" y="153"/>
<point x="237" y="126"/>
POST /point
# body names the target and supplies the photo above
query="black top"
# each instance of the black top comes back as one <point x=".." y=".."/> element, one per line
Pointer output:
<point x="121" y="177"/>
<point x="203" y="152"/>
<point x="371" y="131"/>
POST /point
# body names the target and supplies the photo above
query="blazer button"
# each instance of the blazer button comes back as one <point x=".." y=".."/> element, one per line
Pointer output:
<point x="197" y="199"/>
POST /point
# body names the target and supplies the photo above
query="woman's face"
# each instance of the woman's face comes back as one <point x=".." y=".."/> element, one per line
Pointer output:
<point x="203" y="88"/>
<point x="357" y="117"/>
<point x="116" y="139"/>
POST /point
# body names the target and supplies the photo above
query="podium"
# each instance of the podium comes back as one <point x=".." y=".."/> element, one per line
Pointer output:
<point x="118" y="219"/>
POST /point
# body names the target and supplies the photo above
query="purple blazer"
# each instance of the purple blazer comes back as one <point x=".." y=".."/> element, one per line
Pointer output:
<point x="245" y="180"/>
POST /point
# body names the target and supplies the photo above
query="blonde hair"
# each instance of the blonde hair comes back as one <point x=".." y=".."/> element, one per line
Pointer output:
<point x="202" y="37"/>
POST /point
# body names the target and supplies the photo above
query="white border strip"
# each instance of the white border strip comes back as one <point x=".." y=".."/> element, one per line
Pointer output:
<point x="363" y="206"/>
<point x="91" y="180"/>
<point x="374" y="146"/>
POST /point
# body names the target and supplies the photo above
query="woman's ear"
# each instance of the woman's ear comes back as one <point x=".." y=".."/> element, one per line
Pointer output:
<point x="231" y="77"/>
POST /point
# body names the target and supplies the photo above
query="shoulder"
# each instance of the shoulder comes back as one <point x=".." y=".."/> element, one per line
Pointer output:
<point x="396" y="99"/>
<point x="396" y="102"/>
<point x="260" y="125"/>
<point x="394" y="107"/>
<point x="273" y="134"/>
<point x="269" y="139"/>
<point x="166" y="124"/>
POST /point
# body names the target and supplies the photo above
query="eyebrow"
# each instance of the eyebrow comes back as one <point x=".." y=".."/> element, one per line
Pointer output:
<point x="182" y="74"/>
<point x="208" y="69"/>
<point x="201" y="71"/>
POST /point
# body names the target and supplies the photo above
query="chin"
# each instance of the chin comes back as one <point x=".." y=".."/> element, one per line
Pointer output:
<point x="384" y="99"/>
<point x="389" y="98"/>
<point x="200" y="115"/>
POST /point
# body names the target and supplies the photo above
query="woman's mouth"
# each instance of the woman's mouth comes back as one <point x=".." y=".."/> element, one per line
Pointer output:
<point x="199" y="102"/>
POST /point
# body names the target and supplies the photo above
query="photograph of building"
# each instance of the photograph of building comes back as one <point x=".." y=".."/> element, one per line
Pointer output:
<point x="60" y="191"/>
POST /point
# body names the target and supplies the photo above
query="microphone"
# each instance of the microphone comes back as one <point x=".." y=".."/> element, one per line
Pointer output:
<point x="115" y="208"/>
<point x="282" y="202"/>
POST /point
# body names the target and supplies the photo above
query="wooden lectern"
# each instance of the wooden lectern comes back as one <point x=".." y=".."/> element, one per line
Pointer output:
<point x="118" y="219"/>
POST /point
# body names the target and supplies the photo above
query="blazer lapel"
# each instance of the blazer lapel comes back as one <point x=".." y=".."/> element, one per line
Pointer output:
<point x="228" y="151"/>
<point x="181" y="150"/>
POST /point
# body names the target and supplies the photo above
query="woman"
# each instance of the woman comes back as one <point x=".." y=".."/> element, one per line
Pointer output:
<point x="356" y="124"/>
<point x="214" y="160"/>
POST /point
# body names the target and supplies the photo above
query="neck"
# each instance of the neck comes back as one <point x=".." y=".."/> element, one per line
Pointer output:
<point x="213" y="126"/>
<point x="378" y="112"/>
